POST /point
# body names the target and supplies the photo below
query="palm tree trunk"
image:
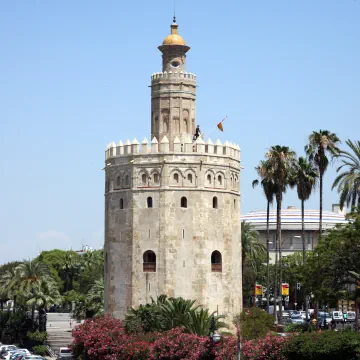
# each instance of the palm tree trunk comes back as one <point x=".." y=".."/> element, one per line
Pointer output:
<point x="321" y="202"/>
<point x="304" y="254"/>
<point x="267" y="257"/>
<point x="33" y="316"/>
<point x="278" y="236"/>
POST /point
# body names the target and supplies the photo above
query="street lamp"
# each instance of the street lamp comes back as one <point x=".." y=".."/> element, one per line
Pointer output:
<point x="213" y="333"/>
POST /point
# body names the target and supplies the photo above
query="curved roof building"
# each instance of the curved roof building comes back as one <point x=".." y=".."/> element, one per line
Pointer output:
<point x="291" y="219"/>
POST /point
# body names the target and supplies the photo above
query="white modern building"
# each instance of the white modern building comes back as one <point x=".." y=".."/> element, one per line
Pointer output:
<point x="291" y="240"/>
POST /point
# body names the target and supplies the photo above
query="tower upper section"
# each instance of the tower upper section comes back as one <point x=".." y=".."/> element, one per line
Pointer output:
<point x="173" y="91"/>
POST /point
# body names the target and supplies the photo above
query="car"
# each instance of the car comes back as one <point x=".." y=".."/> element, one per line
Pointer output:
<point x="285" y="314"/>
<point x="326" y="315"/>
<point x="65" y="353"/>
<point x="16" y="354"/>
<point x="297" y="319"/>
<point x="350" y="316"/>
<point x="33" y="357"/>
<point x="337" y="316"/>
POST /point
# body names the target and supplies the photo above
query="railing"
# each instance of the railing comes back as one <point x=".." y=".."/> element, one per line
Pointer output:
<point x="149" y="267"/>
<point x="216" y="267"/>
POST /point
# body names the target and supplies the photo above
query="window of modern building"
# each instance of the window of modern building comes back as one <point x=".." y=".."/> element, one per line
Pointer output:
<point x="216" y="262"/>
<point x="190" y="178"/>
<point x="215" y="202"/>
<point x="143" y="179"/>
<point x="184" y="202"/>
<point x="121" y="203"/>
<point x="149" y="202"/>
<point x="149" y="261"/>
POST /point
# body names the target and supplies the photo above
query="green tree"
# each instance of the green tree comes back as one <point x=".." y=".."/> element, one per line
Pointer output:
<point x="281" y="161"/>
<point x="252" y="249"/>
<point x="95" y="297"/>
<point x="305" y="177"/>
<point x="348" y="181"/>
<point x="269" y="191"/>
<point x="10" y="285"/>
<point x="31" y="273"/>
<point x="322" y="146"/>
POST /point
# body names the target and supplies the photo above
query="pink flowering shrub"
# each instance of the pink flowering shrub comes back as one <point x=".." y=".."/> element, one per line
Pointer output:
<point x="264" y="349"/>
<point x="105" y="339"/>
<point x="226" y="349"/>
<point x="177" y="345"/>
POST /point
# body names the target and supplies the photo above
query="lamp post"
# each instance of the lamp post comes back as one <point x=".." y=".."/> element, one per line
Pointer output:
<point x="280" y="277"/>
<point x="213" y="333"/>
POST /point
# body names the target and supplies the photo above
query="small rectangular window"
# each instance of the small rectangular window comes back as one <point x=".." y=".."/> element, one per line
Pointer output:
<point x="183" y="233"/>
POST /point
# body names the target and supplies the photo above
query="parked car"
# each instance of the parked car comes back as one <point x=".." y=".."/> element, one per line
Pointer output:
<point x="326" y="315"/>
<point x="297" y="319"/>
<point x="33" y="357"/>
<point x="285" y="314"/>
<point x="337" y="316"/>
<point x="65" y="353"/>
<point x="351" y="316"/>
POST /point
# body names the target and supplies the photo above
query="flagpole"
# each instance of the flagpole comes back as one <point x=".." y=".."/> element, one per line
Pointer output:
<point x="211" y="130"/>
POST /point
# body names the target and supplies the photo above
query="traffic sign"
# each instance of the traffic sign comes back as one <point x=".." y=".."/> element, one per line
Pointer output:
<point x="285" y="289"/>
<point x="258" y="290"/>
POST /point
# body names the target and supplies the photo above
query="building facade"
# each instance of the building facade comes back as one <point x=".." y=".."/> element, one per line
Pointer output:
<point x="291" y="236"/>
<point x="172" y="206"/>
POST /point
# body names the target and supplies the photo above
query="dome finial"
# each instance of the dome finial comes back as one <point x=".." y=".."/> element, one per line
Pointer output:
<point x="174" y="18"/>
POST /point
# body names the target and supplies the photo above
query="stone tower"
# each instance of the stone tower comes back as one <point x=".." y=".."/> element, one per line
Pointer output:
<point x="172" y="207"/>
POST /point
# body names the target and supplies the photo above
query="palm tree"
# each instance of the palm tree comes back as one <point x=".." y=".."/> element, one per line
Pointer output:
<point x="269" y="192"/>
<point x="281" y="160"/>
<point x="348" y="182"/>
<point x="251" y="248"/>
<point x="9" y="285"/>
<point x="95" y="297"/>
<point x="201" y="320"/>
<point x="321" y="145"/>
<point x="31" y="273"/>
<point x="43" y="293"/>
<point x="304" y="178"/>
<point x="69" y="262"/>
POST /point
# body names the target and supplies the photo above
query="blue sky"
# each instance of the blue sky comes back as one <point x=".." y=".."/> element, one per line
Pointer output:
<point x="75" y="76"/>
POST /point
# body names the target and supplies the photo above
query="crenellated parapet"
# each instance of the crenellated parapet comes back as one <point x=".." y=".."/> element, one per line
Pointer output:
<point x="217" y="149"/>
<point x="173" y="76"/>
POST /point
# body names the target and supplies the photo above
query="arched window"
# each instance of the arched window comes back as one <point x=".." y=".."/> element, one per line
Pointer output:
<point x="143" y="179"/>
<point x="127" y="180"/>
<point x="184" y="202"/>
<point x="216" y="262"/>
<point x="209" y="179"/>
<point x="190" y="179"/>
<point x="118" y="181"/>
<point x="121" y="203"/>
<point x="149" y="261"/>
<point x="176" y="178"/>
<point x="235" y="204"/>
<point x="220" y="180"/>
<point x="215" y="202"/>
<point x="149" y="202"/>
<point x="156" y="178"/>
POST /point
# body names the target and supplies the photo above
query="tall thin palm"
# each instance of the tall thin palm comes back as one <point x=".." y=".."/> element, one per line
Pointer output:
<point x="269" y="192"/>
<point x="69" y="261"/>
<point x="322" y="147"/>
<point x="348" y="182"/>
<point x="95" y="297"/>
<point x="281" y="160"/>
<point x="305" y="179"/>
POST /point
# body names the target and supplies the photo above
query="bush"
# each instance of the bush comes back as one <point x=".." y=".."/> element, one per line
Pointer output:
<point x="40" y="350"/>
<point x="269" y="348"/>
<point x="299" y="328"/>
<point x="330" y="345"/>
<point x="255" y="323"/>
<point x="226" y="349"/>
<point x="38" y="336"/>
<point x="177" y="345"/>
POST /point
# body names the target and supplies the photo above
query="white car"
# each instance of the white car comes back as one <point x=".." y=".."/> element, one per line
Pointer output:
<point x="65" y="353"/>
<point x="33" y="357"/>
<point x="12" y="354"/>
<point x="337" y="316"/>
